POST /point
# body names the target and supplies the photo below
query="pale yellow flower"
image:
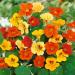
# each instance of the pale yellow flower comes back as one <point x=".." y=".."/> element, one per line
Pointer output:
<point x="38" y="33"/>
<point x="19" y="44"/>
<point x="46" y="16"/>
<point x="38" y="48"/>
<point x="6" y="45"/>
<point x="37" y="7"/>
<point x="51" y="64"/>
<point x="59" y="22"/>
<point x="23" y="27"/>
<point x="61" y="56"/>
<point x="12" y="61"/>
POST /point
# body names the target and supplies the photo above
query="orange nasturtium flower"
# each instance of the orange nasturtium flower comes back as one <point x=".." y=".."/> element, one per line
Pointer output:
<point x="25" y="9"/>
<point x="12" y="61"/>
<point x="51" y="47"/>
<point x="50" y="31"/>
<point x="13" y="32"/>
<point x="51" y="63"/>
<point x="39" y="61"/>
<point x="57" y="12"/>
<point x="2" y="63"/>
<point x="6" y="45"/>
<point x="25" y="54"/>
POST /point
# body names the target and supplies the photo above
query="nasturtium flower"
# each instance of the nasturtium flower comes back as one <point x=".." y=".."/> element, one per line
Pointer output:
<point x="57" y="39"/>
<point x="27" y="41"/>
<point x="12" y="60"/>
<point x="38" y="48"/>
<point x="69" y="35"/>
<point x="51" y="63"/>
<point x="13" y="32"/>
<point x="25" y="9"/>
<point x="23" y="27"/>
<point x="46" y="16"/>
<point x="6" y="45"/>
<point x="39" y="61"/>
<point x="25" y="54"/>
<point x="56" y="11"/>
<point x="12" y="44"/>
<point x="2" y="63"/>
<point x="37" y="7"/>
<point x="19" y="44"/>
<point x="67" y="48"/>
<point x="15" y="19"/>
<point x="33" y="21"/>
<point x="61" y="56"/>
<point x="50" y="31"/>
<point x="58" y="22"/>
<point x="51" y="47"/>
<point x="71" y="24"/>
<point x="38" y="33"/>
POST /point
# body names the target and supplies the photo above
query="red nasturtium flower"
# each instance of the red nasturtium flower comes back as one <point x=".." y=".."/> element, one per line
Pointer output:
<point x="25" y="9"/>
<point x="39" y="61"/>
<point x="72" y="24"/>
<point x="51" y="47"/>
<point x="3" y="31"/>
<point x="33" y="21"/>
<point x="69" y="35"/>
<point x="67" y="48"/>
<point x="13" y="32"/>
<point x="25" y="54"/>
<point x="2" y="63"/>
<point x="13" y="44"/>
<point x="27" y="41"/>
<point x="57" y="12"/>
<point x="50" y="31"/>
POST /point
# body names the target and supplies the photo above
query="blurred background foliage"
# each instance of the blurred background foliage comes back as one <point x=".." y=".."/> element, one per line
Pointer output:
<point x="8" y="7"/>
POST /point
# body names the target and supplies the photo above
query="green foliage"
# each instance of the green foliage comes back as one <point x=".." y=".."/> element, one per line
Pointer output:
<point x="22" y="70"/>
<point x="1" y="38"/>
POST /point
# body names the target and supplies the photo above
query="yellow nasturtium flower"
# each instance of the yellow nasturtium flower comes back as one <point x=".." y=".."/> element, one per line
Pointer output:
<point x="61" y="56"/>
<point x="59" y="22"/>
<point x="38" y="33"/>
<point x="6" y="45"/>
<point x="19" y="44"/>
<point x="38" y="48"/>
<point x="37" y="7"/>
<point x="15" y="19"/>
<point x="12" y="61"/>
<point x="51" y="63"/>
<point x="46" y="16"/>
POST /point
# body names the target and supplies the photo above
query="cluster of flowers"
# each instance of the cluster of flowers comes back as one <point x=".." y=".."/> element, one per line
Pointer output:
<point x="50" y="52"/>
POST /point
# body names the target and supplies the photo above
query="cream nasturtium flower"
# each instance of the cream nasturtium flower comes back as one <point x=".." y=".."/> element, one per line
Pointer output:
<point x="37" y="7"/>
<point x="38" y="33"/>
<point x="19" y="44"/>
<point x="46" y="16"/>
<point x="23" y="27"/>
<point x="38" y="48"/>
